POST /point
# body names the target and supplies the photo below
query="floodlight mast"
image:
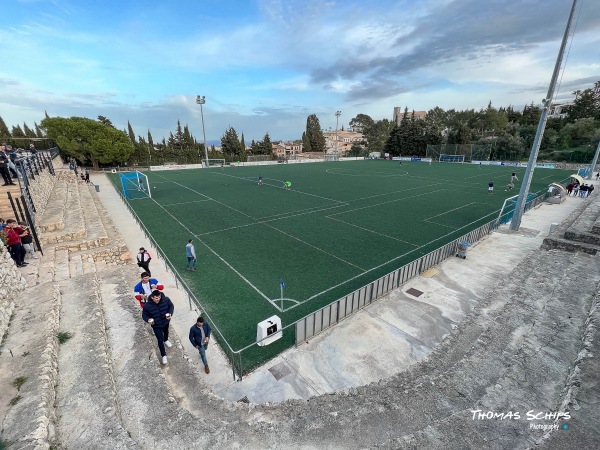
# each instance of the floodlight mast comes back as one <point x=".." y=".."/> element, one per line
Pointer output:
<point x="201" y="100"/>
<point x="547" y="102"/>
<point x="337" y="119"/>
<point x="593" y="165"/>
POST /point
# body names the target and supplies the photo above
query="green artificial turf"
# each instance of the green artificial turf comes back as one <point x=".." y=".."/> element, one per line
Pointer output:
<point x="339" y="227"/>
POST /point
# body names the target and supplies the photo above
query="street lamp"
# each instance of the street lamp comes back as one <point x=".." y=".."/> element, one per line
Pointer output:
<point x="201" y="100"/>
<point x="337" y="119"/>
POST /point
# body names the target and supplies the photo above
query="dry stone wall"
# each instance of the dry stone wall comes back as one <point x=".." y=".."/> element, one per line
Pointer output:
<point x="11" y="283"/>
<point x="40" y="190"/>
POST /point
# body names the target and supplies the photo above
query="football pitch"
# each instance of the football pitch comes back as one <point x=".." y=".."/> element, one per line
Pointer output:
<point x="340" y="226"/>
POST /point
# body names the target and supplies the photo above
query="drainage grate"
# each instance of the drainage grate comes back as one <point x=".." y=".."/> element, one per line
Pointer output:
<point x="279" y="371"/>
<point x="414" y="292"/>
<point x="244" y="399"/>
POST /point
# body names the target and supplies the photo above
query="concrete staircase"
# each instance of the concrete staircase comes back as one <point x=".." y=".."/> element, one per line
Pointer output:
<point x="581" y="232"/>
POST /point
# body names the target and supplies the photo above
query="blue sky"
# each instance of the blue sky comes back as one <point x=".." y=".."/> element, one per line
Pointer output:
<point x="265" y="65"/>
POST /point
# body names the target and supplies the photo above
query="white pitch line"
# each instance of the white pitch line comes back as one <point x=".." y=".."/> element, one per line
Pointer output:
<point x="385" y="203"/>
<point x="371" y="231"/>
<point x="315" y="247"/>
<point x="387" y="262"/>
<point x="449" y="211"/>
<point x="187" y="203"/>
<point x="271" y="220"/>
<point x="218" y="256"/>
<point x="292" y="190"/>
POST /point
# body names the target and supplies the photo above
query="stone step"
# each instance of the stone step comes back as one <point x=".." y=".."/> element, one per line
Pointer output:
<point x="569" y="245"/>
<point x="53" y="217"/>
<point x="61" y="264"/>
<point x="92" y="217"/>
<point x="75" y="266"/>
<point x="177" y="390"/>
<point x="74" y="226"/>
<point x="29" y="369"/>
<point x="87" y="408"/>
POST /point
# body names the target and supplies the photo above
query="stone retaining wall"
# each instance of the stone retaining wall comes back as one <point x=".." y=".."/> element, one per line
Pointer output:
<point x="118" y="254"/>
<point x="40" y="190"/>
<point x="11" y="283"/>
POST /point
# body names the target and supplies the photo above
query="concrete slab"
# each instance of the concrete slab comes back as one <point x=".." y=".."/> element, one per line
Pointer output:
<point x="377" y="342"/>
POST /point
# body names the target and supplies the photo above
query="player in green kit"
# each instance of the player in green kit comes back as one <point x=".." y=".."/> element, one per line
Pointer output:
<point x="287" y="185"/>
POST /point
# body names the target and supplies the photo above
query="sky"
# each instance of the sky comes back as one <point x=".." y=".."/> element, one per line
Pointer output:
<point x="265" y="65"/>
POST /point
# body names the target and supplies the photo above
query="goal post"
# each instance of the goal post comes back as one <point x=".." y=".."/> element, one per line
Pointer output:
<point x="452" y="158"/>
<point x="213" y="162"/>
<point x="135" y="185"/>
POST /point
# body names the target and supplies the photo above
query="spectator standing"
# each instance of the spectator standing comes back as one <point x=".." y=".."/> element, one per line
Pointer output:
<point x="199" y="337"/>
<point x="570" y="188"/>
<point x="145" y="287"/>
<point x="13" y="241"/>
<point x="158" y="313"/>
<point x="4" y="171"/>
<point x="190" y="252"/>
<point x="87" y="174"/>
<point x="143" y="260"/>
<point x="27" y="241"/>
<point x="32" y="149"/>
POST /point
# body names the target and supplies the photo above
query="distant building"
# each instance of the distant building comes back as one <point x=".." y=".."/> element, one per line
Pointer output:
<point x="560" y="110"/>
<point x="287" y="149"/>
<point x="399" y="113"/>
<point x="345" y="140"/>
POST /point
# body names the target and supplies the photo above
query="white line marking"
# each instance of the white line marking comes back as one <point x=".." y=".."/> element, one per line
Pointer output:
<point x="187" y="203"/>
<point x="371" y="231"/>
<point x="441" y="214"/>
<point x="385" y="203"/>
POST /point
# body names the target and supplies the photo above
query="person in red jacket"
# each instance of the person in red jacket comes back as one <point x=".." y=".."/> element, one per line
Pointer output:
<point x="13" y="240"/>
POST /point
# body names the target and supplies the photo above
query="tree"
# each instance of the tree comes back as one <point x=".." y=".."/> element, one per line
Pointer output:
<point x="377" y="135"/>
<point x="314" y="135"/>
<point x="17" y="132"/>
<point x="266" y="145"/>
<point x="28" y="131"/>
<point x="130" y="133"/>
<point x="360" y="122"/>
<point x="87" y="139"/>
<point x="4" y="133"/>
<point x="242" y="143"/>
<point x="305" y="142"/>
<point x="103" y="120"/>
<point x="230" y="144"/>
<point x="587" y="105"/>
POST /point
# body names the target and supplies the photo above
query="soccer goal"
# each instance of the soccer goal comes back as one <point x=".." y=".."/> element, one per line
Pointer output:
<point x="213" y="162"/>
<point x="330" y="157"/>
<point x="452" y="158"/>
<point x="135" y="185"/>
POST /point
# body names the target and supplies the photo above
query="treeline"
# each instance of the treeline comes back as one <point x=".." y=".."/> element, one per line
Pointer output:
<point x="509" y="133"/>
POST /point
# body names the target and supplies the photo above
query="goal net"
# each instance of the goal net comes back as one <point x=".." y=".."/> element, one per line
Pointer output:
<point x="135" y="185"/>
<point x="213" y="162"/>
<point x="452" y="158"/>
<point x="259" y="158"/>
<point x="329" y="157"/>
<point x="470" y="152"/>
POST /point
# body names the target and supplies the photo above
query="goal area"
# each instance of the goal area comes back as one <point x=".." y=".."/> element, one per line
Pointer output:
<point x="331" y="157"/>
<point x="135" y="185"/>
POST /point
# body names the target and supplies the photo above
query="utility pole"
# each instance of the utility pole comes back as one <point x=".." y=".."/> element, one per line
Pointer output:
<point x="547" y="102"/>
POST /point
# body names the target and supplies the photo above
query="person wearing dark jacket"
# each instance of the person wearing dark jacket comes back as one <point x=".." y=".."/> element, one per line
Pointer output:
<point x="158" y="313"/>
<point x="199" y="337"/>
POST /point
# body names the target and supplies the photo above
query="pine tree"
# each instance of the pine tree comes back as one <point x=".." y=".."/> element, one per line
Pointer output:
<point x="130" y="132"/>
<point x="314" y="134"/>
<point x="104" y="121"/>
<point x="267" y="145"/>
<point x="38" y="131"/>
<point x="28" y="131"/>
<point x="4" y="133"/>
<point x="17" y="132"/>
<point x="305" y="142"/>
<point x="230" y="144"/>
